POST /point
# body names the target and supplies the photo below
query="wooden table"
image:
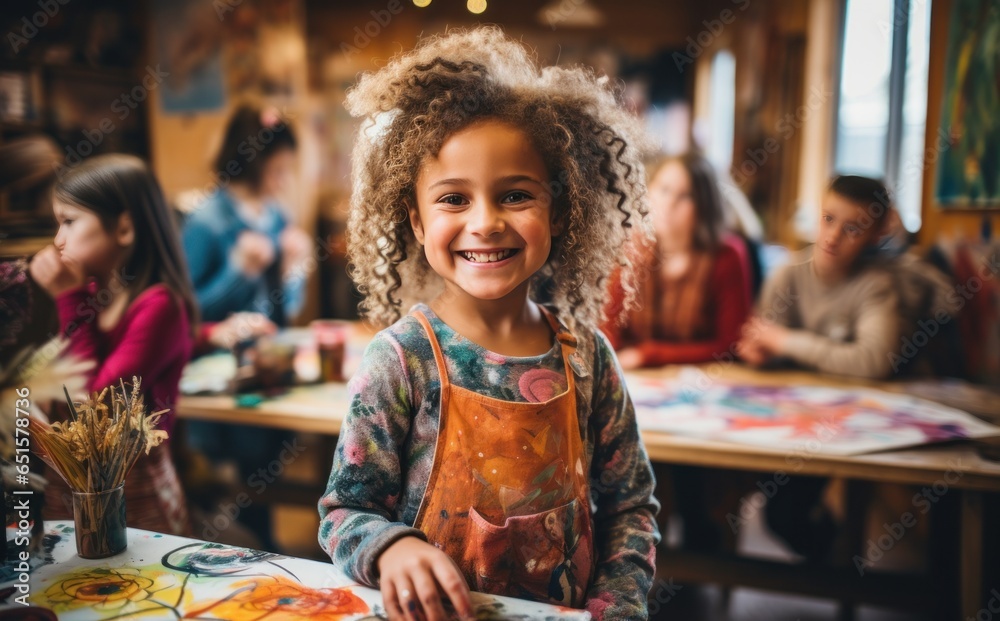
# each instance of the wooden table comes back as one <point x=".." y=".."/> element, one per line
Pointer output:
<point x="167" y="577"/>
<point x="321" y="408"/>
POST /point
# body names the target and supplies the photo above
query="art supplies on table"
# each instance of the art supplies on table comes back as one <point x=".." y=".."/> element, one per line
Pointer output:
<point x="168" y="577"/>
<point x="821" y="419"/>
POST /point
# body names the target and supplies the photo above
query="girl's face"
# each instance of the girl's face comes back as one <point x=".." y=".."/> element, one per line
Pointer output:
<point x="672" y="205"/>
<point x="82" y="238"/>
<point x="484" y="211"/>
<point x="845" y="230"/>
<point x="278" y="174"/>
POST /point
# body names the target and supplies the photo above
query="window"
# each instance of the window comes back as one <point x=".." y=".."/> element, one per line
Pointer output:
<point x="882" y="107"/>
<point x="722" y="113"/>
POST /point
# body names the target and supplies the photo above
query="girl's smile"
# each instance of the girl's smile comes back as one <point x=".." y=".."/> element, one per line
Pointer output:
<point x="484" y="212"/>
<point x="488" y="257"/>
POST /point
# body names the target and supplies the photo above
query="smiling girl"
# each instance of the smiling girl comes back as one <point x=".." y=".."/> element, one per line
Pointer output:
<point x="491" y="443"/>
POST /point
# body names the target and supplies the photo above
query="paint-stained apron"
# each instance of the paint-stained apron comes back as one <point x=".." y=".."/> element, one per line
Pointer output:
<point x="507" y="497"/>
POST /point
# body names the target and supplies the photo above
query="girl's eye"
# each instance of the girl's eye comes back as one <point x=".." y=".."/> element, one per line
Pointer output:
<point x="517" y="196"/>
<point x="452" y="199"/>
<point x="853" y="231"/>
<point x="827" y="218"/>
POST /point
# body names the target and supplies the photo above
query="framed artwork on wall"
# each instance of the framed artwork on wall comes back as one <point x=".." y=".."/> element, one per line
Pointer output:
<point x="968" y="171"/>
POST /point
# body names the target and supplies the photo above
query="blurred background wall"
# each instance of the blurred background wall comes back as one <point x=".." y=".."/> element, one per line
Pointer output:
<point x="779" y="93"/>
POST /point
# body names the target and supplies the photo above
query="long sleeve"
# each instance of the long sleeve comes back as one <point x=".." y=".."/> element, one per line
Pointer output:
<point x="622" y="484"/>
<point x="295" y="293"/>
<point x="876" y="336"/>
<point x="154" y="336"/>
<point x="731" y="305"/>
<point x="358" y="511"/>
<point x="779" y="298"/>
<point x="220" y="286"/>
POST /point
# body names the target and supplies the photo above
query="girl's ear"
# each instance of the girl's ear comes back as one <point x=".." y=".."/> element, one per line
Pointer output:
<point x="415" y="223"/>
<point x="125" y="234"/>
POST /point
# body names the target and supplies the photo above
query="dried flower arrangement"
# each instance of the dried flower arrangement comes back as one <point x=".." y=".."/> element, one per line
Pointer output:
<point x="94" y="452"/>
<point x="97" y="448"/>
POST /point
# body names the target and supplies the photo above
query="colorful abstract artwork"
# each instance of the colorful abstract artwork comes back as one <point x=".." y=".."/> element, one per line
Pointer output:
<point x="968" y="140"/>
<point x="166" y="577"/>
<point x="832" y="421"/>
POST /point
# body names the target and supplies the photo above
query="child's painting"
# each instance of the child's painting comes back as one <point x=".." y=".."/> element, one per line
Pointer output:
<point x="167" y="577"/>
<point x="831" y="421"/>
<point x="969" y="168"/>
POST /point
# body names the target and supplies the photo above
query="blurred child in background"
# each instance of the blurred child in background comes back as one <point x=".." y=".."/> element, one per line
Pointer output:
<point x="695" y="292"/>
<point x="121" y="286"/>
<point x="833" y="308"/>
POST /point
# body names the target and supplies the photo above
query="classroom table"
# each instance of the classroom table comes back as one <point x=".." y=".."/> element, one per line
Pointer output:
<point x="320" y="409"/>
<point x="168" y="577"/>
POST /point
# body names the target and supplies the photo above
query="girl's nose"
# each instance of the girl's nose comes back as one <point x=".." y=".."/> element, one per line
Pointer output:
<point x="60" y="241"/>
<point x="486" y="219"/>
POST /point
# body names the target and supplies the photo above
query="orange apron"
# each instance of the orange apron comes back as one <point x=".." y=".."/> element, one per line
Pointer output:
<point x="508" y="494"/>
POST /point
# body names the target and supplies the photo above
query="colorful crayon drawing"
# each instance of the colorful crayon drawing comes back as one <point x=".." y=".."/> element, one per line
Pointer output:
<point x="213" y="559"/>
<point x="279" y="598"/>
<point x="824" y="420"/>
<point x="115" y="592"/>
<point x="167" y="577"/>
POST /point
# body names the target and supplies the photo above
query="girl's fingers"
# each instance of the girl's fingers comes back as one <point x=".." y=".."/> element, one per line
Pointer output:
<point x="408" y="599"/>
<point x="454" y="586"/>
<point x="428" y="596"/>
<point x="390" y="599"/>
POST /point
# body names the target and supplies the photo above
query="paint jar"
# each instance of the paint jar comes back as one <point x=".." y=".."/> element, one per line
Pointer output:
<point x="274" y="363"/>
<point x="100" y="522"/>
<point x="331" y="342"/>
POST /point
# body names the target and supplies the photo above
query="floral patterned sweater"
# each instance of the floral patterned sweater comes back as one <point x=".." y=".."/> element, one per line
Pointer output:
<point x="386" y="449"/>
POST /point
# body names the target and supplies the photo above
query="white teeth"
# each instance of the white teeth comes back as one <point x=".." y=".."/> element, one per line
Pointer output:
<point x="487" y="257"/>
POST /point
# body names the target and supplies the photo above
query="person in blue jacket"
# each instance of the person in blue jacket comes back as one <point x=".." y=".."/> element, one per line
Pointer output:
<point x="246" y="260"/>
<point x="244" y="254"/>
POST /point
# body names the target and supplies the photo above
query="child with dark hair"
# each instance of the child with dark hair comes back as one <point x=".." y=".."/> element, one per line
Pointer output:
<point x="833" y="308"/>
<point x="125" y="301"/>
<point x="244" y="253"/>
<point x="695" y="293"/>
<point x="247" y="267"/>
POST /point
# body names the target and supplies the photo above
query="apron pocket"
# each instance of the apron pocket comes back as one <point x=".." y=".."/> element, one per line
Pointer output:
<point x="543" y="556"/>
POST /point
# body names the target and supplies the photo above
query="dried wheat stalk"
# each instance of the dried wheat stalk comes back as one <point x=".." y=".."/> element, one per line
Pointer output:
<point x="97" y="448"/>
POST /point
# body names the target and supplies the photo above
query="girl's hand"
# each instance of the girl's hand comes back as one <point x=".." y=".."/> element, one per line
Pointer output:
<point x="240" y="327"/>
<point x="752" y="353"/>
<point x="54" y="273"/>
<point x="629" y="358"/>
<point x="296" y="246"/>
<point x="254" y="253"/>
<point x="761" y="341"/>
<point x="413" y="575"/>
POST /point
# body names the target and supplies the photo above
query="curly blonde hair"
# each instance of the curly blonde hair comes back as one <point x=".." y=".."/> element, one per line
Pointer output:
<point x="591" y="147"/>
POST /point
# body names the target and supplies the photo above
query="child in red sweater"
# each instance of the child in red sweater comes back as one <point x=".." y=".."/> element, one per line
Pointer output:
<point x="696" y="292"/>
<point x="125" y="301"/>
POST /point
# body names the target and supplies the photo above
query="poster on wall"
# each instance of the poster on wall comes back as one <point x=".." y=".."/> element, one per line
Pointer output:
<point x="968" y="173"/>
